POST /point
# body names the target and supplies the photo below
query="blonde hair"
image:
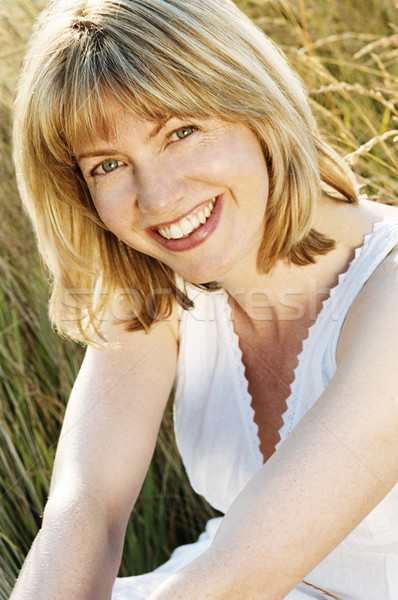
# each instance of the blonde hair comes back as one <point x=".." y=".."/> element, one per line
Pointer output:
<point x="156" y="57"/>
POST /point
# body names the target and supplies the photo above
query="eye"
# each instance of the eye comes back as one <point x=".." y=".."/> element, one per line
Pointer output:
<point x="106" y="167"/>
<point x="183" y="132"/>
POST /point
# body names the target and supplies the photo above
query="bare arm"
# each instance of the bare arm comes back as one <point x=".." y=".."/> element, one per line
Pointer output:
<point x="333" y="469"/>
<point x="106" y="444"/>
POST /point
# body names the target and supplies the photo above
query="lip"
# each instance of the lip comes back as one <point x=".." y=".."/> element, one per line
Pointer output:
<point x="196" y="237"/>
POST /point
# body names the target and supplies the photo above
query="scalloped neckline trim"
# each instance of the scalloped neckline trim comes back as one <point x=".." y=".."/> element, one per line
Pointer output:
<point x="288" y="416"/>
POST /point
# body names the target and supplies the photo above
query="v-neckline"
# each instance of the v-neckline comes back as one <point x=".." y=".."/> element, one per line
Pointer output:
<point x="292" y="400"/>
<point x="244" y="386"/>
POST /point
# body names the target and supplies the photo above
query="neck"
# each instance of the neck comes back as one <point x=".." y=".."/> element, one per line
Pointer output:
<point x="289" y="291"/>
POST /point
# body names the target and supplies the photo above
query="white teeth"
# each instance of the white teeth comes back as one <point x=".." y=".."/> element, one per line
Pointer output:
<point x="195" y="221"/>
<point x="166" y="232"/>
<point x="175" y="231"/>
<point x="202" y="217"/>
<point x="188" y="224"/>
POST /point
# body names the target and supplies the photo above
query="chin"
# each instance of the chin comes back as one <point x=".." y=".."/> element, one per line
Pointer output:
<point x="212" y="277"/>
<point x="210" y="269"/>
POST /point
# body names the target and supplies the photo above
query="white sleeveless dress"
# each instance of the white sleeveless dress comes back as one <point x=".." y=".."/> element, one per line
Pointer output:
<point x="218" y="438"/>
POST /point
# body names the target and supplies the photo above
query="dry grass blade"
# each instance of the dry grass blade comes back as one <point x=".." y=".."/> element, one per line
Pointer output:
<point x="384" y="42"/>
<point x="353" y="157"/>
<point x="328" y="594"/>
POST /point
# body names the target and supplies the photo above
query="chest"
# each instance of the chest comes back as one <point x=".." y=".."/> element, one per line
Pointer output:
<point x="270" y="362"/>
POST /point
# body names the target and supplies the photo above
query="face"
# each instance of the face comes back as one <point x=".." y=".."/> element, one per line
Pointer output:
<point x="190" y="193"/>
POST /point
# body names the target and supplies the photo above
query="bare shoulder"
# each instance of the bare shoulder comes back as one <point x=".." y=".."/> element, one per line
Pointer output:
<point x="377" y="211"/>
<point x="371" y="325"/>
<point x="115" y="325"/>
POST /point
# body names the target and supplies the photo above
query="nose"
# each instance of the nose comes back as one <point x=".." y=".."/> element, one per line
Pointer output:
<point x="159" y="188"/>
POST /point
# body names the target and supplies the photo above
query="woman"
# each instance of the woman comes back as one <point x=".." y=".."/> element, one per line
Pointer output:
<point x="199" y="230"/>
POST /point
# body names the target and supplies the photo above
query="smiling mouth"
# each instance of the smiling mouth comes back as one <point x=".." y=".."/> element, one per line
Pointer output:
<point x="187" y="225"/>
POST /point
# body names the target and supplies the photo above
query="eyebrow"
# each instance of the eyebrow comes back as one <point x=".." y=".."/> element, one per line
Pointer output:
<point x="94" y="153"/>
<point x="107" y="151"/>
<point x="158" y="128"/>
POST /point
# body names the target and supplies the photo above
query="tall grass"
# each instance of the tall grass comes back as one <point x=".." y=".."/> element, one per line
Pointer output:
<point x="347" y="54"/>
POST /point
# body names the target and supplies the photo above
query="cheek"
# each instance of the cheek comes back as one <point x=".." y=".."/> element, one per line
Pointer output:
<point x="113" y="211"/>
<point x="257" y="174"/>
<point x="118" y="217"/>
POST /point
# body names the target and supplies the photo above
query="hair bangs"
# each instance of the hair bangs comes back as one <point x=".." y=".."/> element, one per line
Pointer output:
<point x="150" y="62"/>
<point x="78" y="110"/>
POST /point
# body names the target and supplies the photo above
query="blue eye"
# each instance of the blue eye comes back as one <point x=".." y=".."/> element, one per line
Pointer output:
<point x="184" y="132"/>
<point x="105" y="167"/>
<point x="109" y="165"/>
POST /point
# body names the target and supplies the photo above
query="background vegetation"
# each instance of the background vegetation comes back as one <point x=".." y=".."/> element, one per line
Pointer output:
<point x="346" y="51"/>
